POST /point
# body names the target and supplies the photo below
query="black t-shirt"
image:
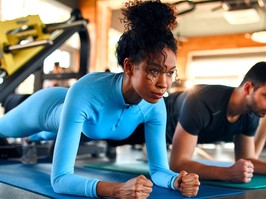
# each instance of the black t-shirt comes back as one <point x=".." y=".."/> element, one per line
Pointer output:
<point x="202" y="111"/>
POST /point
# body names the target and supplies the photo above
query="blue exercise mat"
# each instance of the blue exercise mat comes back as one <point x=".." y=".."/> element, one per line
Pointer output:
<point x="36" y="178"/>
<point x="257" y="182"/>
<point x="133" y="168"/>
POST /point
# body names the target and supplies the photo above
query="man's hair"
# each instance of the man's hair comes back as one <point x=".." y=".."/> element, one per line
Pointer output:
<point x="256" y="75"/>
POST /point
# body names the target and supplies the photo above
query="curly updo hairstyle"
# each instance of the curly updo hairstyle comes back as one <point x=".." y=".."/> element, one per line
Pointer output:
<point x="148" y="28"/>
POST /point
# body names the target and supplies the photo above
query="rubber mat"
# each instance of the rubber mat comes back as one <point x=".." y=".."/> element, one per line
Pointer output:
<point x="36" y="178"/>
<point x="258" y="181"/>
<point x="133" y="168"/>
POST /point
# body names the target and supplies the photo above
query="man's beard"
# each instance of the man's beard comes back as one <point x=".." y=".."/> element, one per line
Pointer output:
<point x="252" y="107"/>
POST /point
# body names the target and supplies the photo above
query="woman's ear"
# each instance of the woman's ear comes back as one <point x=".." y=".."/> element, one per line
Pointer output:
<point x="128" y="66"/>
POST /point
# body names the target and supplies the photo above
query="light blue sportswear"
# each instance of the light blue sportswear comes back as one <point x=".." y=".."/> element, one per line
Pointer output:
<point x="95" y="106"/>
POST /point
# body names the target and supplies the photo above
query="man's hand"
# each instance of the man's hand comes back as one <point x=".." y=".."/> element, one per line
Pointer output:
<point x="187" y="183"/>
<point x="241" y="171"/>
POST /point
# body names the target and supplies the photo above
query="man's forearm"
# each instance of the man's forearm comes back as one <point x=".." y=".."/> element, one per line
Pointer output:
<point x="259" y="166"/>
<point x="205" y="172"/>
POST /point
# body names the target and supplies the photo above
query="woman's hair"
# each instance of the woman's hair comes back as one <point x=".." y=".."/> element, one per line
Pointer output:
<point x="256" y="75"/>
<point x="148" y="28"/>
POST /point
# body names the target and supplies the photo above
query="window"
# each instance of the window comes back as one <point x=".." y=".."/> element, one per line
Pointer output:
<point x="226" y="67"/>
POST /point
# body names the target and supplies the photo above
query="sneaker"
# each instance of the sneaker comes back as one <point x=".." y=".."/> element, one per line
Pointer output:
<point x="29" y="153"/>
<point x="110" y="152"/>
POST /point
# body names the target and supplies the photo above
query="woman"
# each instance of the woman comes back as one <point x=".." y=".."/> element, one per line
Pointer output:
<point x="111" y="106"/>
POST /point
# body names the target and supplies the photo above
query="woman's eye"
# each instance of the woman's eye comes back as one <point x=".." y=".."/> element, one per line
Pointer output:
<point x="170" y="74"/>
<point x="154" y="72"/>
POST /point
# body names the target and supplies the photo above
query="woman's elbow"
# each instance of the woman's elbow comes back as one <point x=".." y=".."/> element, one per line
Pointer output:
<point x="56" y="185"/>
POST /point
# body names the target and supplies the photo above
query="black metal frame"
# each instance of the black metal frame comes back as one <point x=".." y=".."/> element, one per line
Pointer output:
<point x="36" y="63"/>
<point x="192" y="4"/>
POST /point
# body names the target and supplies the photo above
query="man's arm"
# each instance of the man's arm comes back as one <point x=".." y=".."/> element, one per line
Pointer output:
<point x="183" y="145"/>
<point x="245" y="149"/>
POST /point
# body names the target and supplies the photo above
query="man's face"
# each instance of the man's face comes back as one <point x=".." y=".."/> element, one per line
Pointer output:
<point x="256" y="101"/>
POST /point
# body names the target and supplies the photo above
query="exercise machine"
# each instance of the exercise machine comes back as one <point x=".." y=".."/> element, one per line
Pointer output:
<point x="24" y="44"/>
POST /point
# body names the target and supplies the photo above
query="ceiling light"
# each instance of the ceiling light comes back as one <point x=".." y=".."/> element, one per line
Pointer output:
<point x="259" y="36"/>
<point x="261" y="3"/>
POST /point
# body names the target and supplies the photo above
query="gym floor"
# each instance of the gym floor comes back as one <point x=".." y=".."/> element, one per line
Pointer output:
<point x="130" y="154"/>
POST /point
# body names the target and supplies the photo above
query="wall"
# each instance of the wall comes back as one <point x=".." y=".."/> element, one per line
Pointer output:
<point x="99" y="14"/>
<point x="211" y="43"/>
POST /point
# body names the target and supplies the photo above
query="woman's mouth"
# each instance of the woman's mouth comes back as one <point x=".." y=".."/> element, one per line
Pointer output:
<point x="158" y="95"/>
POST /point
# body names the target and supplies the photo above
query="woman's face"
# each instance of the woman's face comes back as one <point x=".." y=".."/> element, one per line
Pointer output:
<point x="152" y="77"/>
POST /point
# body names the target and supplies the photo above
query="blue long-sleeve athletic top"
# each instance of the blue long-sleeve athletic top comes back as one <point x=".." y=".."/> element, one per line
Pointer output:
<point x="95" y="106"/>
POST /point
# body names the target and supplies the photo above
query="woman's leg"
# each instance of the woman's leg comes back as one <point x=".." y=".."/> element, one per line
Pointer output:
<point x="39" y="112"/>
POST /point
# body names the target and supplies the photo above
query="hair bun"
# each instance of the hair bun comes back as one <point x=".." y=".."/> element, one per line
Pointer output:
<point x="148" y="30"/>
<point x="148" y="16"/>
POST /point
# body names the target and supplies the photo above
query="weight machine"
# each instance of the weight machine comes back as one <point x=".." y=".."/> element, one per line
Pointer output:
<point x="24" y="44"/>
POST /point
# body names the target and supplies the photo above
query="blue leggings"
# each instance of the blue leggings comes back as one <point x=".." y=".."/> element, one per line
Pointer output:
<point x="38" y="116"/>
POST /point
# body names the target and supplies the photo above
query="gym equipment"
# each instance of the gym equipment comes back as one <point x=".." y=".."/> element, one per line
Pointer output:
<point x="133" y="168"/>
<point x="257" y="181"/>
<point x="36" y="178"/>
<point x="19" y="59"/>
<point x="21" y="39"/>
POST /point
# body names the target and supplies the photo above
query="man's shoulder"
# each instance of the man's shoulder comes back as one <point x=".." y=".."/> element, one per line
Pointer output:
<point x="212" y="96"/>
<point x="211" y="88"/>
<point x="210" y="91"/>
<point x="202" y="92"/>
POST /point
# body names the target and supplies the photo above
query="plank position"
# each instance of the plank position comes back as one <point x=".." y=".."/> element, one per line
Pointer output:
<point x="110" y="106"/>
<point x="210" y="113"/>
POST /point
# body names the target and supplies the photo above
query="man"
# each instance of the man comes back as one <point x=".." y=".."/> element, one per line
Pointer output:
<point x="210" y="113"/>
<point x="260" y="138"/>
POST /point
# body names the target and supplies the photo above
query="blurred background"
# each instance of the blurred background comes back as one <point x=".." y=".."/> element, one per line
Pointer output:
<point x="218" y="40"/>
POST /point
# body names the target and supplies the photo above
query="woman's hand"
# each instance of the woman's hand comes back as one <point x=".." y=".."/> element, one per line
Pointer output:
<point x="139" y="187"/>
<point x="187" y="183"/>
